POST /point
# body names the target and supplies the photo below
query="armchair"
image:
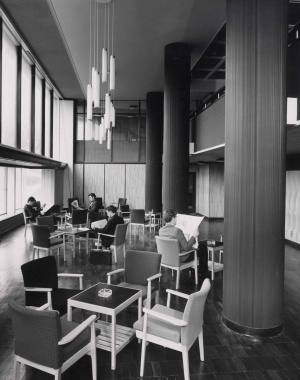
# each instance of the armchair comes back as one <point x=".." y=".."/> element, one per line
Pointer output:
<point x="119" y="239"/>
<point x="41" y="284"/>
<point x="171" y="257"/>
<point x="27" y="221"/>
<point x="140" y="269"/>
<point x="125" y="212"/>
<point x="137" y="218"/>
<point x="42" y="240"/>
<point x="44" y="341"/>
<point x="173" y="329"/>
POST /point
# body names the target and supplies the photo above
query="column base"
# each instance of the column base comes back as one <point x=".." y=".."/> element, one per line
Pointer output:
<point x="250" y="330"/>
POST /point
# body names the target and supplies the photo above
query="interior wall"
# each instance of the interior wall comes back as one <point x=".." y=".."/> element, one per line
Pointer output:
<point x="111" y="182"/>
<point x="292" y="206"/>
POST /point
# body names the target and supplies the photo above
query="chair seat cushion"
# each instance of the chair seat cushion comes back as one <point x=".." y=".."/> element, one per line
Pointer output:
<point x="82" y="340"/>
<point x="54" y="242"/>
<point x="159" y="327"/>
<point x="138" y="287"/>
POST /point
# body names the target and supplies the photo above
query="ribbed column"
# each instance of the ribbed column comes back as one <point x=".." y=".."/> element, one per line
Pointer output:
<point x="256" y="33"/>
<point x="154" y="150"/>
<point x="176" y="127"/>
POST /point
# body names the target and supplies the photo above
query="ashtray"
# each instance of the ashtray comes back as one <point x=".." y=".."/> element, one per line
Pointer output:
<point x="105" y="293"/>
<point x="211" y="243"/>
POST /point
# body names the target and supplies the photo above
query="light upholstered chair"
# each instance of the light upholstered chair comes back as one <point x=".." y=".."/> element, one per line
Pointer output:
<point x="41" y="284"/>
<point x="27" y="221"/>
<point x="137" y="218"/>
<point x="173" y="329"/>
<point x="140" y="270"/>
<point x="119" y="239"/>
<point x="172" y="257"/>
<point x="44" y="341"/>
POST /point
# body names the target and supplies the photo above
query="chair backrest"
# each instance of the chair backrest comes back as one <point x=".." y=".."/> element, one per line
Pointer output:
<point x="37" y="204"/>
<point x="40" y="236"/>
<point x="46" y="221"/>
<point x="94" y="216"/>
<point x="120" y="233"/>
<point x="139" y="265"/>
<point x="36" y="335"/>
<point x="100" y="204"/>
<point x="40" y="273"/>
<point x="125" y="210"/>
<point x="137" y="216"/>
<point x="122" y="201"/>
<point x="169" y="249"/>
<point x="70" y="200"/>
<point x="193" y="313"/>
<point x="79" y="217"/>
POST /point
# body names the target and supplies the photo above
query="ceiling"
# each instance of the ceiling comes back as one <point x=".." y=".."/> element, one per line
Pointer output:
<point x="58" y="34"/>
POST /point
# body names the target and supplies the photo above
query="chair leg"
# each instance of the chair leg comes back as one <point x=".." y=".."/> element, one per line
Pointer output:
<point x="185" y="358"/>
<point x="17" y="369"/>
<point x="25" y="229"/>
<point x="159" y="272"/>
<point x="33" y="254"/>
<point x="196" y="273"/>
<point x="177" y="278"/>
<point x="115" y="253"/>
<point x="93" y="352"/>
<point x="201" y="347"/>
<point x="143" y="355"/>
<point x="157" y="296"/>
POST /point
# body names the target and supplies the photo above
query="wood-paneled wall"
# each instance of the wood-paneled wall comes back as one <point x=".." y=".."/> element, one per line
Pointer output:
<point x="292" y="206"/>
<point x="111" y="182"/>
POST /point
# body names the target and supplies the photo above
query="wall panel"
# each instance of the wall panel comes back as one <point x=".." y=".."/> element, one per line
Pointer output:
<point x="114" y="183"/>
<point x="216" y="191"/>
<point x="202" y="190"/>
<point x="135" y="185"/>
<point x="93" y="181"/>
<point x="78" y="183"/>
<point x="292" y="206"/>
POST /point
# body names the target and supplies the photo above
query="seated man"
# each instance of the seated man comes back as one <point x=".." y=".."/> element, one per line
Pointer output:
<point x="169" y="230"/>
<point x="93" y="207"/>
<point x="30" y="210"/>
<point x="113" y="220"/>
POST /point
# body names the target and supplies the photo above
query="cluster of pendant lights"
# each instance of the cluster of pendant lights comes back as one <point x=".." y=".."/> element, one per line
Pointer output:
<point x="101" y="80"/>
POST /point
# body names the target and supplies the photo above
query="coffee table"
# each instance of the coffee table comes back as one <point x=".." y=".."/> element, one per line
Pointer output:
<point x="113" y="337"/>
<point x="73" y="231"/>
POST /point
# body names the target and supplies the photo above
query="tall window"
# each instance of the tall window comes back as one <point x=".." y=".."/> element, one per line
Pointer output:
<point x="19" y="203"/>
<point x="3" y="190"/>
<point x="26" y="105"/>
<point x="47" y="122"/>
<point x="56" y="129"/>
<point x="32" y="184"/>
<point x="9" y="91"/>
<point x="38" y="114"/>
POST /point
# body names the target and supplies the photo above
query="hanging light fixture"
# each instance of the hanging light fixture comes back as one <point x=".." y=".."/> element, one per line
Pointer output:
<point x="101" y="96"/>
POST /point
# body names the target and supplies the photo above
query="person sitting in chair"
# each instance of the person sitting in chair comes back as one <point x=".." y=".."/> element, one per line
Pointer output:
<point x="113" y="220"/>
<point x="169" y="230"/>
<point x="30" y="210"/>
<point x="93" y="207"/>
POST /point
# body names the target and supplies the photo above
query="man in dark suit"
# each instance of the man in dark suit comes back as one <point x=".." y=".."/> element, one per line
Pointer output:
<point x="113" y="220"/>
<point x="30" y="210"/>
<point x="169" y="230"/>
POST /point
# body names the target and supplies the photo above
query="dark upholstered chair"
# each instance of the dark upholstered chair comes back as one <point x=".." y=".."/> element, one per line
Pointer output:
<point x="125" y="212"/>
<point x="45" y="341"/>
<point x="173" y="329"/>
<point x="42" y="240"/>
<point x="172" y="257"/>
<point x="46" y="221"/>
<point x="140" y="269"/>
<point x="41" y="284"/>
<point x="70" y="200"/>
<point x="137" y="218"/>
<point x="119" y="239"/>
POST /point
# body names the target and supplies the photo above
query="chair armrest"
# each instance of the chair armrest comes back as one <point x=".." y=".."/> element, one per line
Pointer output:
<point x="48" y="290"/>
<point x="56" y="234"/>
<point x="186" y="252"/>
<point x="164" y="317"/>
<point x="44" y="307"/>
<point x="149" y="279"/>
<point x="109" y="274"/>
<point x="179" y="294"/>
<point x="78" y="275"/>
<point x="100" y="233"/>
<point x="78" y="330"/>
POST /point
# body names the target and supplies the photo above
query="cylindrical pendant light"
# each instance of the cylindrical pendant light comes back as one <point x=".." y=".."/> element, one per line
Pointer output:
<point x="108" y="139"/>
<point x="96" y="91"/>
<point x="112" y="68"/>
<point x="94" y="83"/>
<point x="104" y="65"/>
<point x="100" y="133"/>
<point x="112" y="115"/>
<point x="89" y="107"/>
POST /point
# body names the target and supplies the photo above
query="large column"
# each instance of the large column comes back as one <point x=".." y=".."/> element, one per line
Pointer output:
<point x="256" y="33"/>
<point x="176" y="127"/>
<point x="154" y="150"/>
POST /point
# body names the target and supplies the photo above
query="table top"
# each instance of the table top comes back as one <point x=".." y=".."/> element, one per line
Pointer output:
<point x="119" y="296"/>
<point x="71" y="231"/>
<point x="216" y="245"/>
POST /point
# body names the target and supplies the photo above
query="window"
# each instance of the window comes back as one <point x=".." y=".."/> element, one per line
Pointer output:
<point x="47" y="122"/>
<point x="9" y="91"/>
<point x="26" y="105"/>
<point x="3" y="190"/>
<point x="19" y="201"/>
<point x="56" y="129"/>
<point x="31" y="184"/>
<point x="38" y="114"/>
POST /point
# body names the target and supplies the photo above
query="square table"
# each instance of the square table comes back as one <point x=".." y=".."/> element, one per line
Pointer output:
<point x="73" y="231"/>
<point x="113" y="337"/>
<point x="154" y="219"/>
<point x="212" y="266"/>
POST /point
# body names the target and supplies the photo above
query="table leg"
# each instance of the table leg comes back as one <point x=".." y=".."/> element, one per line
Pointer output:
<point x="64" y="242"/>
<point x="87" y="243"/>
<point x="74" y="246"/>
<point x="140" y="307"/>
<point x="69" y="316"/>
<point x="213" y="264"/>
<point x="113" y="341"/>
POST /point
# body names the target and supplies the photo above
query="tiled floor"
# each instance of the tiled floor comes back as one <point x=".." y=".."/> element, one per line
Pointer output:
<point x="227" y="355"/>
